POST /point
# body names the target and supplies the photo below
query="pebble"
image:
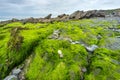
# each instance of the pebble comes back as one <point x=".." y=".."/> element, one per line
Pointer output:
<point x="60" y="53"/>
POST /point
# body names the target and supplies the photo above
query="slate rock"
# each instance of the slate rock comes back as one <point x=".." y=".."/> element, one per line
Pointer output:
<point x="11" y="77"/>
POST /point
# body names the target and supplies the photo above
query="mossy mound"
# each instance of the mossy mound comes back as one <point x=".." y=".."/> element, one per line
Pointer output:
<point x="76" y="62"/>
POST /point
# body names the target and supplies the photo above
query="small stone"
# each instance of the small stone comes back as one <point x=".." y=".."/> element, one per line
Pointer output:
<point x="11" y="77"/>
<point x="16" y="71"/>
<point x="99" y="37"/>
<point x="84" y="69"/>
<point x="56" y="34"/>
<point x="60" y="53"/>
<point x="75" y="42"/>
<point x="91" y="48"/>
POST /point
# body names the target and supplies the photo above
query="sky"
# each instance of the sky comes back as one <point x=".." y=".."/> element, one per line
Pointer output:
<point x="41" y="8"/>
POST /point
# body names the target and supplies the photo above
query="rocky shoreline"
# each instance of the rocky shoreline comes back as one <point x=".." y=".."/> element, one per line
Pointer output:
<point x="66" y="17"/>
<point x="78" y="47"/>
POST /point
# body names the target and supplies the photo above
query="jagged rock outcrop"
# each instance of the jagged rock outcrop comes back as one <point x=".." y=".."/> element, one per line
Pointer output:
<point x="48" y="16"/>
<point x="61" y="16"/>
<point x="30" y="20"/>
<point x="14" y="20"/>
<point x="76" y="15"/>
<point x="55" y="35"/>
<point x="87" y="14"/>
<point x="117" y="14"/>
<point x="64" y="17"/>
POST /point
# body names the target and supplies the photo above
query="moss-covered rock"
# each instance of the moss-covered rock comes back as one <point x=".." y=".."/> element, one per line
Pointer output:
<point x="76" y="63"/>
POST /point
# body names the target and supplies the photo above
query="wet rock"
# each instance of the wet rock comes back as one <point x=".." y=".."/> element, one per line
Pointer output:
<point x="60" y="53"/>
<point x="11" y="77"/>
<point x="91" y="48"/>
<point x="112" y="43"/>
<point x="16" y="72"/>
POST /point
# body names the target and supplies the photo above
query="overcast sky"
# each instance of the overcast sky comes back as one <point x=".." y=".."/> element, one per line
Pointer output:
<point x="41" y="8"/>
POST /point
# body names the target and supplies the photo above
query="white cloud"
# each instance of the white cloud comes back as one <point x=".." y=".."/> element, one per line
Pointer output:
<point x="44" y="7"/>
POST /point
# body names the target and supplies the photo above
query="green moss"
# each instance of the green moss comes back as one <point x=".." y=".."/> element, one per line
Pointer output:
<point x="103" y="65"/>
<point x="73" y="54"/>
<point x="47" y="64"/>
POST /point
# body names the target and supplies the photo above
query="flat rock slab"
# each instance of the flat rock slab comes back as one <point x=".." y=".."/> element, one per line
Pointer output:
<point x="113" y="43"/>
<point x="16" y="71"/>
<point x="11" y="77"/>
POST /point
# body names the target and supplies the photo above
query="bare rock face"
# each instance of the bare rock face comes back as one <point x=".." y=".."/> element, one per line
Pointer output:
<point x="117" y="14"/>
<point x="48" y="16"/>
<point x="30" y="20"/>
<point x="76" y="15"/>
<point x="90" y="14"/>
<point x="62" y="17"/>
<point x="87" y="14"/>
<point x="97" y="13"/>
